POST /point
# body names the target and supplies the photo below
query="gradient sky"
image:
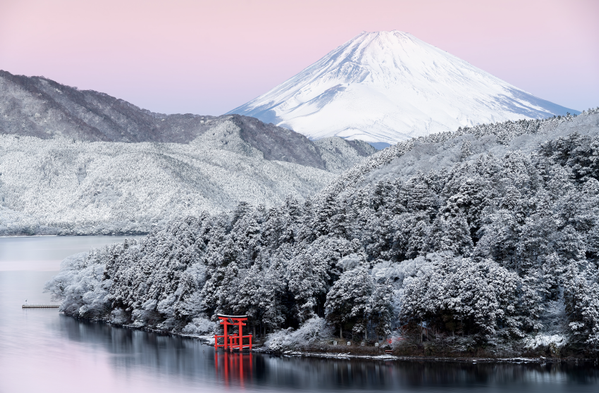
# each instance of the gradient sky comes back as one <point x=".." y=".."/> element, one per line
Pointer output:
<point x="208" y="57"/>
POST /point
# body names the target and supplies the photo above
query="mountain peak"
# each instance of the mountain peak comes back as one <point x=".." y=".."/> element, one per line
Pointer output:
<point x="389" y="86"/>
<point x="371" y="53"/>
<point x="382" y="36"/>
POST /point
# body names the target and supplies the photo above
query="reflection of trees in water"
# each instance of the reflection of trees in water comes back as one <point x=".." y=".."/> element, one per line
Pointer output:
<point x="189" y="358"/>
<point x="360" y="374"/>
<point x="138" y="349"/>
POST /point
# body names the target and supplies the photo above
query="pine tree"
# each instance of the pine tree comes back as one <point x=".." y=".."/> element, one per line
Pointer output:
<point x="348" y="301"/>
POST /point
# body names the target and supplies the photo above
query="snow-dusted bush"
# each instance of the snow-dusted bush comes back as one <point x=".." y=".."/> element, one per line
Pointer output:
<point x="312" y="331"/>
<point x="118" y="317"/>
<point x="200" y="327"/>
<point x="545" y="341"/>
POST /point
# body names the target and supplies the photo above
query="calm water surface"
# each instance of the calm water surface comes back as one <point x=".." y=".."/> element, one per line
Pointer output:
<point x="43" y="351"/>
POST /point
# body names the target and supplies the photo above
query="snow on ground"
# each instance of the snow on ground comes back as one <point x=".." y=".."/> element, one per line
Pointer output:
<point x="545" y="340"/>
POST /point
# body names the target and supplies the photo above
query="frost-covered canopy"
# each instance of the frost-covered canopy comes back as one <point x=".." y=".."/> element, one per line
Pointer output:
<point x="489" y="232"/>
<point x="50" y="186"/>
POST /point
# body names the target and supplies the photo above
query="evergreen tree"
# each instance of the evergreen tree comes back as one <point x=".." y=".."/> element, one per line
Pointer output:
<point x="348" y="302"/>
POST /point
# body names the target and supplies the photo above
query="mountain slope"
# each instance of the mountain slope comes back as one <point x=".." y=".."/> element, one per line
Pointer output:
<point x="391" y="86"/>
<point x="68" y="163"/>
<point x="40" y="107"/>
<point x="61" y="186"/>
<point x="443" y="150"/>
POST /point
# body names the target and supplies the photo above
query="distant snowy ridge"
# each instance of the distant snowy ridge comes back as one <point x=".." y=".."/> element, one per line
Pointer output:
<point x="40" y="107"/>
<point x="83" y="162"/>
<point x="65" y="186"/>
<point x="391" y="86"/>
<point x="406" y="154"/>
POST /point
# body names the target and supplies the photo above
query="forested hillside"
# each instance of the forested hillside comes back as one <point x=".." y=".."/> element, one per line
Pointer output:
<point x="82" y="162"/>
<point x="490" y="233"/>
<point x="63" y="186"/>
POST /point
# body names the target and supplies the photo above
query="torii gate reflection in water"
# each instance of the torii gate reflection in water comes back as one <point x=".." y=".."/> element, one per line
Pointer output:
<point x="233" y="340"/>
<point x="235" y="367"/>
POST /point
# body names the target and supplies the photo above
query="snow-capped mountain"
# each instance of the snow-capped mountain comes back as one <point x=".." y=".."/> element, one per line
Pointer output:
<point x="391" y="86"/>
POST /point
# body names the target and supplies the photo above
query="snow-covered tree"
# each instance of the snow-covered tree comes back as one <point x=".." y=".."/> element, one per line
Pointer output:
<point x="348" y="302"/>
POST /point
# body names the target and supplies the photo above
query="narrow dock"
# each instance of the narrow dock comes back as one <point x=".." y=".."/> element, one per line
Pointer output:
<point x="40" y="305"/>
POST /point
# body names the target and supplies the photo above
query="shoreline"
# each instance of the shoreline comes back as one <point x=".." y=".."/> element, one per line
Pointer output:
<point x="468" y="360"/>
<point x="345" y="355"/>
<point x="541" y="360"/>
<point x="317" y="351"/>
<point x="77" y="235"/>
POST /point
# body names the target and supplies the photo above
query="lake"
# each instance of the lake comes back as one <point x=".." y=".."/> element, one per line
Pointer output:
<point x="43" y="351"/>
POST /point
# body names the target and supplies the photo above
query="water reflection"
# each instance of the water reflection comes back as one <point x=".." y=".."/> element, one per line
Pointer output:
<point x="130" y="348"/>
<point x="234" y="368"/>
<point x="198" y="363"/>
<point x="70" y="356"/>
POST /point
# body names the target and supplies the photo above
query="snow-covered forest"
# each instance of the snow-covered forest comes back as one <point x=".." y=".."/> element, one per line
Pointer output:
<point x="489" y="232"/>
<point x="66" y="186"/>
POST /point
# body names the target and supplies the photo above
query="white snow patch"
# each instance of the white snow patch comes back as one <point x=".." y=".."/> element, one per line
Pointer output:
<point x="545" y="340"/>
<point x="314" y="329"/>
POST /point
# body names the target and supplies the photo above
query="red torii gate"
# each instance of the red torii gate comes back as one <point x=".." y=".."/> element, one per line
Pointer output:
<point x="232" y="341"/>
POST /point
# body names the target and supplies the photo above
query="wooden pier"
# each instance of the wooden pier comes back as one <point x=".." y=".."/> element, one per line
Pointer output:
<point x="40" y="305"/>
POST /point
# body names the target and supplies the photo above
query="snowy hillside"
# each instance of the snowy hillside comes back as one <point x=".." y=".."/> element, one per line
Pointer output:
<point x="65" y="186"/>
<point x="391" y="86"/>
<point x="40" y="107"/>
<point x="443" y="150"/>
<point x="68" y="164"/>
<point x="487" y="237"/>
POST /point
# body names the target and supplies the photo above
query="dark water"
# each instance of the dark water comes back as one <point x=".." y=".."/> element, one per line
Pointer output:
<point x="42" y="351"/>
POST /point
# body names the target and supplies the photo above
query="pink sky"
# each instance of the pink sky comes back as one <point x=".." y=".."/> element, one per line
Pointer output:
<point x="208" y="57"/>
